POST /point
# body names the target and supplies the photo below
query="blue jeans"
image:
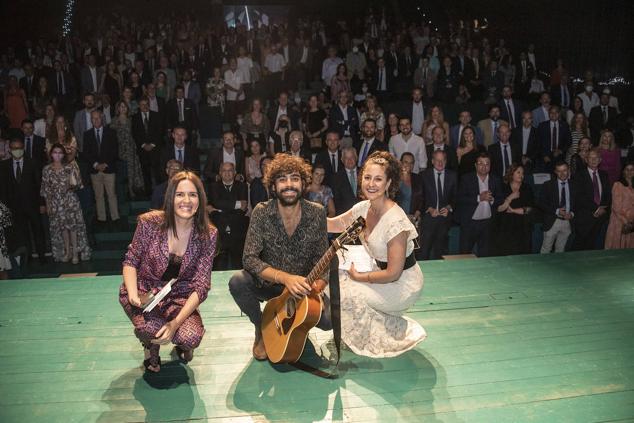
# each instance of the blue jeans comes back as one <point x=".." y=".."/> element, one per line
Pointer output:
<point x="248" y="296"/>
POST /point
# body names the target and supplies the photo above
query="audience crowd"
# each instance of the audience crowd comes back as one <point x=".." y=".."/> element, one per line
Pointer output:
<point x="490" y="139"/>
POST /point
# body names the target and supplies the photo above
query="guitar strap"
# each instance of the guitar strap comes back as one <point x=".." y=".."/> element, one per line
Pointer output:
<point x="335" y="319"/>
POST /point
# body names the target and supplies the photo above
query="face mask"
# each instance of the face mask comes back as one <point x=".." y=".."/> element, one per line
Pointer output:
<point x="17" y="153"/>
<point x="364" y="89"/>
<point x="239" y="121"/>
<point x="589" y="88"/>
<point x="57" y="157"/>
<point x="355" y="49"/>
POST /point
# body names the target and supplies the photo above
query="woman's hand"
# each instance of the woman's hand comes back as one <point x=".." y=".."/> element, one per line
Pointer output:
<point x="134" y="300"/>
<point x="166" y="333"/>
<point x="357" y="276"/>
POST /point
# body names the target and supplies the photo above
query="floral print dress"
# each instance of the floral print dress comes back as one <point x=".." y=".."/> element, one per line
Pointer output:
<point x="58" y="188"/>
<point x="127" y="153"/>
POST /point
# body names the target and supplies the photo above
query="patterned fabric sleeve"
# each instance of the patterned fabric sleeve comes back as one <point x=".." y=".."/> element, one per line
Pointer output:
<point x="136" y="249"/>
<point x="254" y="242"/>
<point x="202" y="278"/>
<point x="45" y="182"/>
<point x="5" y="216"/>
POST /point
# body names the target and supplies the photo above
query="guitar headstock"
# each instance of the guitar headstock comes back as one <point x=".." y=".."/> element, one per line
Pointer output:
<point x="351" y="233"/>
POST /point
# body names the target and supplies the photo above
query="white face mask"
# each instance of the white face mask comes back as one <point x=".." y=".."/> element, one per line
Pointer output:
<point x="239" y="120"/>
<point x="355" y="49"/>
<point x="589" y="88"/>
<point x="364" y="89"/>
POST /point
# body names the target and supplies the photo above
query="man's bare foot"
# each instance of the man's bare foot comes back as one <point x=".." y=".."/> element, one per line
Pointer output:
<point x="259" y="352"/>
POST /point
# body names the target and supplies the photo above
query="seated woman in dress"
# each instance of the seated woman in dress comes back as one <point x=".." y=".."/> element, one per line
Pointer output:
<point x="373" y="303"/>
<point x="320" y="193"/>
<point x="255" y="124"/>
<point x="176" y="242"/>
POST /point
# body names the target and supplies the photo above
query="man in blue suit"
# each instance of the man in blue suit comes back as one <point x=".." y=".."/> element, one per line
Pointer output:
<point x="456" y="131"/>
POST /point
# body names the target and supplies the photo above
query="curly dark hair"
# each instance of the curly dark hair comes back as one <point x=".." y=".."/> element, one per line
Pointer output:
<point x="392" y="169"/>
<point x="285" y="164"/>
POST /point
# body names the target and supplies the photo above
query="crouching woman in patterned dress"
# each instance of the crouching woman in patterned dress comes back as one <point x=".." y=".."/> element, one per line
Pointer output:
<point x="176" y="242"/>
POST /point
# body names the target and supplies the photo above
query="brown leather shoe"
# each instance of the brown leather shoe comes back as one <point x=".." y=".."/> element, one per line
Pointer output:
<point x="259" y="352"/>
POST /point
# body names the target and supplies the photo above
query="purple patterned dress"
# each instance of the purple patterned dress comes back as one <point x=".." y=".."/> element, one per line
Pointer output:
<point x="148" y="254"/>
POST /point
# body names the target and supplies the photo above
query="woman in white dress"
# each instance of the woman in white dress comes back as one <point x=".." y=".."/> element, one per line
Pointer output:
<point x="373" y="303"/>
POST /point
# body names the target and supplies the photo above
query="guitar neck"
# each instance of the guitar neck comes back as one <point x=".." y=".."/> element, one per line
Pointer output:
<point x="321" y="265"/>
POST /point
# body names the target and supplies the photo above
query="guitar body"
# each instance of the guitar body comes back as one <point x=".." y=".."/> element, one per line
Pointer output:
<point x="286" y="322"/>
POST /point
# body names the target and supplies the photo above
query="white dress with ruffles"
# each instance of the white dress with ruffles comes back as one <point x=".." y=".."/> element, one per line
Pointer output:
<point x="372" y="320"/>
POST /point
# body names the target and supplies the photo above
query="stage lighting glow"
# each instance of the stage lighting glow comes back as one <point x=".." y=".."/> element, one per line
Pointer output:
<point x="68" y="17"/>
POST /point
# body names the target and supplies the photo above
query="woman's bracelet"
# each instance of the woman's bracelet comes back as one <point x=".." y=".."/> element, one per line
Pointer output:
<point x="275" y="277"/>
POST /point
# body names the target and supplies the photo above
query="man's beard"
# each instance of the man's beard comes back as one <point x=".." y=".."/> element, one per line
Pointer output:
<point x="287" y="202"/>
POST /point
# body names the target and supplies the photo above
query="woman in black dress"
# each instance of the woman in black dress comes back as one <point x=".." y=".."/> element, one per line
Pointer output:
<point x="467" y="151"/>
<point x="512" y="227"/>
<point x="315" y="124"/>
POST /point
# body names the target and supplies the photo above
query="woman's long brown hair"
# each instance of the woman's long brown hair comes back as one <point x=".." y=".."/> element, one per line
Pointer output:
<point x="201" y="222"/>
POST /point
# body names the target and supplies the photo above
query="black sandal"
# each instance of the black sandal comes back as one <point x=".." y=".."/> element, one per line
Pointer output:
<point x="152" y="361"/>
<point x="182" y="354"/>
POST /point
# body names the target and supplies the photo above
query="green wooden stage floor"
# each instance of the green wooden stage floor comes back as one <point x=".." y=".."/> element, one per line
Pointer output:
<point x="511" y="339"/>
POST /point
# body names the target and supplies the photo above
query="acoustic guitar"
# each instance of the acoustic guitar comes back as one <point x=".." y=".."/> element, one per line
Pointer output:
<point x="286" y="320"/>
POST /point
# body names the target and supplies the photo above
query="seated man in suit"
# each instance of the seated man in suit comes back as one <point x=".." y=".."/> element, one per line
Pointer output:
<point x="510" y="109"/>
<point x="369" y="144"/>
<point x="455" y="132"/>
<point x="556" y="204"/>
<point x="344" y="120"/>
<point x="227" y="153"/>
<point x="479" y="196"/>
<point x="541" y="113"/>
<point x="20" y="192"/>
<point x="282" y="108"/>
<point x="330" y="158"/>
<point x="158" y="194"/>
<point x="228" y="206"/>
<point x="602" y="117"/>
<point x="296" y="140"/>
<point x="440" y="186"/>
<point x="182" y="112"/>
<point x="438" y="138"/>
<point x="592" y="196"/>
<point x="179" y="150"/>
<point x="503" y="153"/>
<point x="525" y="136"/>
<point x="555" y="138"/>
<point x="101" y="151"/>
<point x="147" y="131"/>
<point x="490" y="125"/>
<point x="34" y="146"/>
<point x="345" y="182"/>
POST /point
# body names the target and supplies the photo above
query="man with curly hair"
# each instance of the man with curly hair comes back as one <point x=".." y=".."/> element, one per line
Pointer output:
<point x="286" y="238"/>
